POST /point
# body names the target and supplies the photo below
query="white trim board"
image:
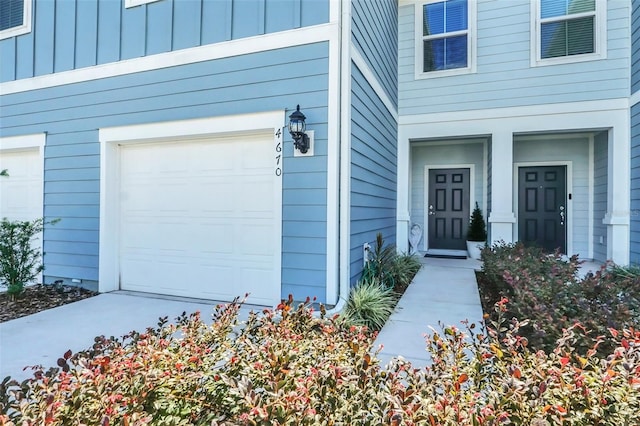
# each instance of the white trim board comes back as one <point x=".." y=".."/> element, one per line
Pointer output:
<point x="22" y="142"/>
<point x="568" y="203"/>
<point x="523" y="112"/>
<point x="244" y="46"/>
<point x="472" y="193"/>
<point x="31" y="142"/>
<point x="334" y="111"/>
<point x="112" y="138"/>
<point x="634" y="99"/>
<point x="368" y="74"/>
<point x="343" y="151"/>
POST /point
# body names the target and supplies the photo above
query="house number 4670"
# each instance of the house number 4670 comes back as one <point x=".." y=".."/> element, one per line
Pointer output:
<point x="278" y="152"/>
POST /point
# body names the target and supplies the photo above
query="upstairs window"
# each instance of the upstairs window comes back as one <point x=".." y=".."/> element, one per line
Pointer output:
<point x="569" y="30"/>
<point x="15" y="17"/>
<point x="444" y="37"/>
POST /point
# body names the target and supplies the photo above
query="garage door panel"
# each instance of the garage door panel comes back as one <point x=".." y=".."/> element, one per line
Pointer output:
<point x="255" y="240"/>
<point x="218" y="238"/>
<point x="201" y="228"/>
<point x="21" y="193"/>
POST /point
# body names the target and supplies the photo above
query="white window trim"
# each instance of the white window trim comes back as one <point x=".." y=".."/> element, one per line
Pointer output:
<point x="25" y="28"/>
<point x="471" y="43"/>
<point x="134" y="3"/>
<point x="600" y="43"/>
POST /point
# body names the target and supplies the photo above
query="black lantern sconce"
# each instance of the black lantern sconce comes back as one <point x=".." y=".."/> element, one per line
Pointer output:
<point x="297" y="128"/>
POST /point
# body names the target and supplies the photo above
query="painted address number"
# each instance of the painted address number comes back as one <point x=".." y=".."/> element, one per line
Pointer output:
<point x="278" y="152"/>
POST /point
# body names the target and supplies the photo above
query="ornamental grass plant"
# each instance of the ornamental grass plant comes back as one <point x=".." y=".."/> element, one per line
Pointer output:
<point x="369" y="304"/>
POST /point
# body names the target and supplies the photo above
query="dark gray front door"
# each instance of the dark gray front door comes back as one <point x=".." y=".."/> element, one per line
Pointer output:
<point x="542" y="208"/>
<point x="448" y="208"/>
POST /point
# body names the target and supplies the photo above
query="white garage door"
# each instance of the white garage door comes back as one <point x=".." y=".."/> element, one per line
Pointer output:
<point x="21" y="192"/>
<point x="197" y="219"/>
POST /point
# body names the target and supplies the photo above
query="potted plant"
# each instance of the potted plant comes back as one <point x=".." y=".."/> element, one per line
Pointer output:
<point x="476" y="234"/>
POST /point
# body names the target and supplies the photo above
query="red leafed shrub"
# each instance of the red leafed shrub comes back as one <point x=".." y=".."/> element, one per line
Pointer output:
<point x="289" y="367"/>
<point x="545" y="289"/>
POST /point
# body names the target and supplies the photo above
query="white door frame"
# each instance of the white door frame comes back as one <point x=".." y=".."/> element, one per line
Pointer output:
<point x="567" y="201"/>
<point x="472" y="193"/>
<point x="112" y="138"/>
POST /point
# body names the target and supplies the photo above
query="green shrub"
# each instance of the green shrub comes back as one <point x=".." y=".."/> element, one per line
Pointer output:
<point x="380" y="263"/>
<point x="289" y="367"/>
<point x="369" y="304"/>
<point x="390" y="268"/>
<point x="20" y="261"/>
<point x="477" y="228"/>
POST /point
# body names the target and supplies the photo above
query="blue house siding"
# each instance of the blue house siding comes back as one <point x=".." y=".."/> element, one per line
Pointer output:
<point x="635" y="46"/>
<point x="635" y="185"/>
<point x="71" y="115"/>
<point x="374" y="31"/>
<point x="373" y="170"/>
<point x="72" y="34"/>
<point x="505" y="77"/>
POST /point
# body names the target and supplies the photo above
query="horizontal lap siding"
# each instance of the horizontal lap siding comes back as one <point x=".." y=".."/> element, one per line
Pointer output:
<point x="373" y="170"/>
<point x="635" y="184"/>
<point x="72" y="114"/>
<point x="73" y="34"/>
<point x="375" y="34"/>
<point x="504" y="76"/>
<point x="600" y="158"/>
<point x="635" y="46"/>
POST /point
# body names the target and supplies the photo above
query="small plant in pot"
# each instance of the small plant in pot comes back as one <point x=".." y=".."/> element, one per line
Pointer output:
<point x="476" y="234"/>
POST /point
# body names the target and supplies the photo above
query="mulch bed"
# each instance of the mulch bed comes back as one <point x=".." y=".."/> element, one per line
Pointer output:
<point x="489" y="293"/>
<point x="38" y="298"/>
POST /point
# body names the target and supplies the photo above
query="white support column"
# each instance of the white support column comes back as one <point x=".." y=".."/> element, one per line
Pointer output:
<point x="502" y="218"/>
<point x="617" y="217"/>
<point x="402" y="206"/>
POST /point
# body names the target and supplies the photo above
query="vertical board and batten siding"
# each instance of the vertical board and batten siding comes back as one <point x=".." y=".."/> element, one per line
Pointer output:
<point x="373" y="170"/>
<point x="576" y="151"/>
<point x="505" y="77"/>
<point x="635" y="185"/>
<point x="600" y="176"/>
<point x="442" y="153"/>
<point x="72" y="114"/>
<point x="374" y="30"/>
<point x="73" y="34"/>
<point x="635" y="46"/>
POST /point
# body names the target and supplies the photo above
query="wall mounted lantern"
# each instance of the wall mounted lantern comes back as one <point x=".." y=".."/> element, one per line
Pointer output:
<point x="297" y="128"/>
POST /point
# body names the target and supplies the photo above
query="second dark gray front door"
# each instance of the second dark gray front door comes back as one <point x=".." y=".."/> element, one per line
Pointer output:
<point x="448" y="208"/>
<point x="542" y="209"/>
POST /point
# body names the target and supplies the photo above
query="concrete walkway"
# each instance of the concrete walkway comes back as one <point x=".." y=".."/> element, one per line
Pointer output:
<point x="444" y="290"/>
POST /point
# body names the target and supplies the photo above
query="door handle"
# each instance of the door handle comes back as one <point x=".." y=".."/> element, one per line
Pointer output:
<point x="562" y="215"/>
<point x="431" y="212"/>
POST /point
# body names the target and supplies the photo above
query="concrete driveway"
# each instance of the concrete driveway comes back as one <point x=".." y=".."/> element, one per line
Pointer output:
<point x="42" y="338"/>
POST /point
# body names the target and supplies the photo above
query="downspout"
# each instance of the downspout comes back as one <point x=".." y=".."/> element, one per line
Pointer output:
<point x="344" y="180"/>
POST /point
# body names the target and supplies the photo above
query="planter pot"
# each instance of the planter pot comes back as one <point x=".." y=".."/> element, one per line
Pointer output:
<point x="474" y="247"/>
